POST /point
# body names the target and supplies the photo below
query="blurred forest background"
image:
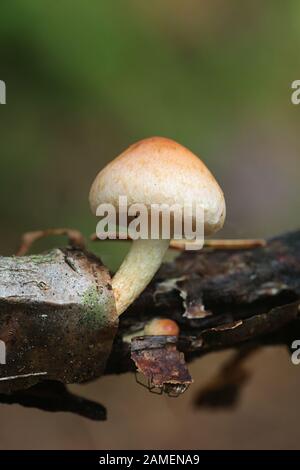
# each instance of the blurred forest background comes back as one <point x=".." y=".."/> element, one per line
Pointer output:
<point x="85" y="80"/>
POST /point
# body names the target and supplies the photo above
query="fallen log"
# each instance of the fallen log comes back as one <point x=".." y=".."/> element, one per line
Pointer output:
<point x="220" y="299"/>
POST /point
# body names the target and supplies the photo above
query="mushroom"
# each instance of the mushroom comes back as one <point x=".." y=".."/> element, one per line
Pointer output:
<point x="155" y="327"/>
<point x="161" y="327"/>
<point x="156" y="170"/>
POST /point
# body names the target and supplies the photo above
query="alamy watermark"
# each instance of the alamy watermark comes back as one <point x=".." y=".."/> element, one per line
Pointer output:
<point x="159" y="221"/>
<point x="2" y="92"/>
<point x="295" y="356"/>
<point x="295" y="97"/>
<point x="2" y="352"/>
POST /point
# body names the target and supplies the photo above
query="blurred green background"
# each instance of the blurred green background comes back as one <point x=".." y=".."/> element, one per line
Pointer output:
<point x="87" y="78"/>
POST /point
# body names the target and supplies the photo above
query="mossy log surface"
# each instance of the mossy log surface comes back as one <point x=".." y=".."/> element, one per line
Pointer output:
<point x="57" y="318"/>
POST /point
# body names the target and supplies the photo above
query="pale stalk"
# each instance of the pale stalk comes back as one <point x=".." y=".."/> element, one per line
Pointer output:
<point x="137" y="270"/>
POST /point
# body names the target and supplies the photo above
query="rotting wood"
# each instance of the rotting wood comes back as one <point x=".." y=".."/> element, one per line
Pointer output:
<point x="220" y="299"/>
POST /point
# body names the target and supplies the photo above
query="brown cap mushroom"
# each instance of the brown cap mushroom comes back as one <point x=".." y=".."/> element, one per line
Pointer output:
<point x="156" y="170"/>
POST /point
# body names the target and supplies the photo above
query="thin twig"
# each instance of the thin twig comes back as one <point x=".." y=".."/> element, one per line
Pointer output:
<point x="180" y="245"/>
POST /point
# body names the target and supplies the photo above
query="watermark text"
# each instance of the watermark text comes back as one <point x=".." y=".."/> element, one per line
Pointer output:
<point x="295" y="357"/>
<point x="295" y="97"/>
<point x="2" y="92"/>
<point x="2" y="352"/>
<point x="157" y="222"/>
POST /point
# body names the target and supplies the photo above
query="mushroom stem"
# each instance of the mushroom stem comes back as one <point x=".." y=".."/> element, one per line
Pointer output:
<point x="137" y="270"/>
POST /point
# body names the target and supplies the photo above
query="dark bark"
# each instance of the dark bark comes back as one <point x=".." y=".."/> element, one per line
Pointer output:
<point x="220" y="299"/>
<point x="54" y="396"/>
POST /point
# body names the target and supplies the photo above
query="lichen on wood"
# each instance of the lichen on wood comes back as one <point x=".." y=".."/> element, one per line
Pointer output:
<point x="57" y="318"/>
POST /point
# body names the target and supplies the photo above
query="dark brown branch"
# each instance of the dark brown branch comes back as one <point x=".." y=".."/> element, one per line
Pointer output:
<point x="219" y="298"/>
<point x="54" y="396"/>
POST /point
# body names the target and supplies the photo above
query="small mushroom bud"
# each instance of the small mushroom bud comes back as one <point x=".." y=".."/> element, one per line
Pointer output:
<point x="161" y="327"/>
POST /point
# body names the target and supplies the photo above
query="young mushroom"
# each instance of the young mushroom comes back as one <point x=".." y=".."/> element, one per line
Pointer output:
<point x="161" y="327"/>
<point x="156" y="170"/>
<point x="155" y="327"/>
